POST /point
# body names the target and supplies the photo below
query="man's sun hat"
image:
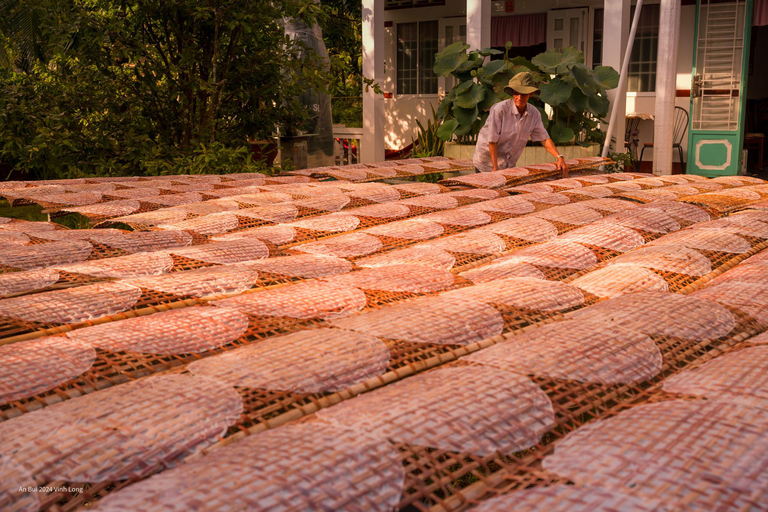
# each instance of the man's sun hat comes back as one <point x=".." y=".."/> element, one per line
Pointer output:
<point x="521" y="83"/>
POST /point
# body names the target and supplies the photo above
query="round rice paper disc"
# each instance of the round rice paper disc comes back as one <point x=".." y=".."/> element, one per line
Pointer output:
<point x="593" y="351"/>
<point x="350" y="245"/>
<point x="144" y="241"/>
<point x="184" y="331"/>
<point x="325" y="203"/>
<point x="382" y="211"/>
<point x="278" y="235"/>
<point x="610" y="204"/>
<point x="437" y="202"/>
<point x="108" y="210"/>
<point x="306" y="300"/>
<point x="423" y="254"/>
<point x="523" y="292"/>
<point x="531" y="188"/>
<point x="30" y="367"/>
<point x="595" y="191"/>
<point x="277" y="471"/>
<point x="707" y="239"/>
<point x="121" y="431"/>
<point x="224" y="253"/>
<point x="500" y="413"/>
<point x="13" y="237"/>
<point x="310" y="361"/>
<point x="750" y="298"/>
<point x="410" y="229"/>
<point x="529" y="228"/>
<point x="378" y="193"/>
<point x="681" y="316"/>
<point x="744" y="273"/>
<point x="477" y="241"/>
<point x="514" y="172"/>
<point x="555" y="254"/>
<point x="512" y="205"/>
<point x="348" y="174"/>
<point x="214" y="224"/>
<point x="30" y="257"/>
<point x="575" y="214"/>
<point x="27" y="280"/>
<point x="728" y="225"/>
<point x="139" y="264"/>
<point x="568" y="498"/>
<point x="624" y="186"/>
<point x="280" y="212"/>
<point x="201" y="282"/>
<point x="13" y="478"/>
<point x="732" y="378"/>
<point x="682" y="212"/>
<point x="73" y="304"/>
<point x="483" y="179"/>
<point x="670" y="258"/>
<point x="439" y="320"/>
<point x="465" y="217"/>
<point x="153" y="218"/>
<point x="397" y="278"/>
<point x="548" y="198"/>
<point x="486" y="273"/>
<point x="609" y="236"/>
<point x="692" y="455"/>
<point x="737" y="181"/>
<point x="303" y="265"/>
<point x="421" y="189"/>
<point x="616" y="280"/>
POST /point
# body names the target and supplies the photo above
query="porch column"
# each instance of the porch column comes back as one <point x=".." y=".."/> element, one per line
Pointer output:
<point x="616" y="28"/>
<point x="372" y="143"/>
<point x="478" y="24"/>
<point x="666" y="85"/>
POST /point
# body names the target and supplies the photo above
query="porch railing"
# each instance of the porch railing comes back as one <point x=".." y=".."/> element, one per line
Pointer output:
<point x="347" y="144"/>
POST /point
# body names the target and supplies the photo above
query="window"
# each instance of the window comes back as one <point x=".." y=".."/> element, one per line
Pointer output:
<point x="407" y="4"/>
<point x="597" y="39"/>
<point x="641" y="76"/>
<point x="642" y="64"/>
<point x="416" y="49"/>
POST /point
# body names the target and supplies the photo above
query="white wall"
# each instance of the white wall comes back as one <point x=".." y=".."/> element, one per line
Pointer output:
<point x="645" y="102"/>
<point x="402" y="112"/>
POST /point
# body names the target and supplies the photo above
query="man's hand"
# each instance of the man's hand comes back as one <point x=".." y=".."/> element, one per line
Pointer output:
<point x="562" y="166"/>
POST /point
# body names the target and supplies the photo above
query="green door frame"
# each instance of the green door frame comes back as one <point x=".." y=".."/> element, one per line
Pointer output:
<point x="718" y="152"/>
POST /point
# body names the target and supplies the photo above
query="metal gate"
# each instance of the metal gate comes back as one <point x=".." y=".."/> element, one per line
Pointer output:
<point x="718" y="91"/>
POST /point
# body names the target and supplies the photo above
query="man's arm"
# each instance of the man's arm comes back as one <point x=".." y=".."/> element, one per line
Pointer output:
<point x="552" y="150"/>
<point x="493" y="150"/>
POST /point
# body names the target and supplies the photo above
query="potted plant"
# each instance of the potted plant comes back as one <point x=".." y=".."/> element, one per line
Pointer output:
<point x="575" y="94"/>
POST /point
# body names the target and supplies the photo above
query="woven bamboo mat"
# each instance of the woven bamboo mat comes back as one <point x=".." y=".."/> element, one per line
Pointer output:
<point x="444" y="484"/>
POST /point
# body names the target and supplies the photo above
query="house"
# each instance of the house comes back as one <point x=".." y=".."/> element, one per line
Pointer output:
<point x="401" y="37"/>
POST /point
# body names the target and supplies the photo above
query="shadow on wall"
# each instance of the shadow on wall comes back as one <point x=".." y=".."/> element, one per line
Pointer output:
<point x="401" y="114"/>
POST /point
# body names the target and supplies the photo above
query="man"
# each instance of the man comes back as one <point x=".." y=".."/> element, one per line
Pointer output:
<point x="509" y="126"/>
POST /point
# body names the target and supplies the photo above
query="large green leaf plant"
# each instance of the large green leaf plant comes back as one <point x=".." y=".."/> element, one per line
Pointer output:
<point x="575" y="93"/>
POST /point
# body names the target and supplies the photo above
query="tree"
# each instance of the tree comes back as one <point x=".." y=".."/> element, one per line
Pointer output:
<point x="342" y="26"/>
<point x="130" y="82"/>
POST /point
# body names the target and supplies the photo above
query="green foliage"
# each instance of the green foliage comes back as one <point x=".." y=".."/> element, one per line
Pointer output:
<point x="109" y="87"/>
<point x="214" y="158"/>
<point x="622" y="161"/>
<point x="342" y="33"/>
<point x="428" y="142"/>
<point x="575" y="93"/>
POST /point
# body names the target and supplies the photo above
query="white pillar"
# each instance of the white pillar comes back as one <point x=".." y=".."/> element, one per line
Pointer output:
<point x="666" y="85"/>
<point x="372" y="144"/>
<point x="616" y="28"/>
<point x="478" y="24"/>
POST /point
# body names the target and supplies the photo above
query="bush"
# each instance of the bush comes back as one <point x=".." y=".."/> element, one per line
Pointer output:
<point x="149" y="87"/>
